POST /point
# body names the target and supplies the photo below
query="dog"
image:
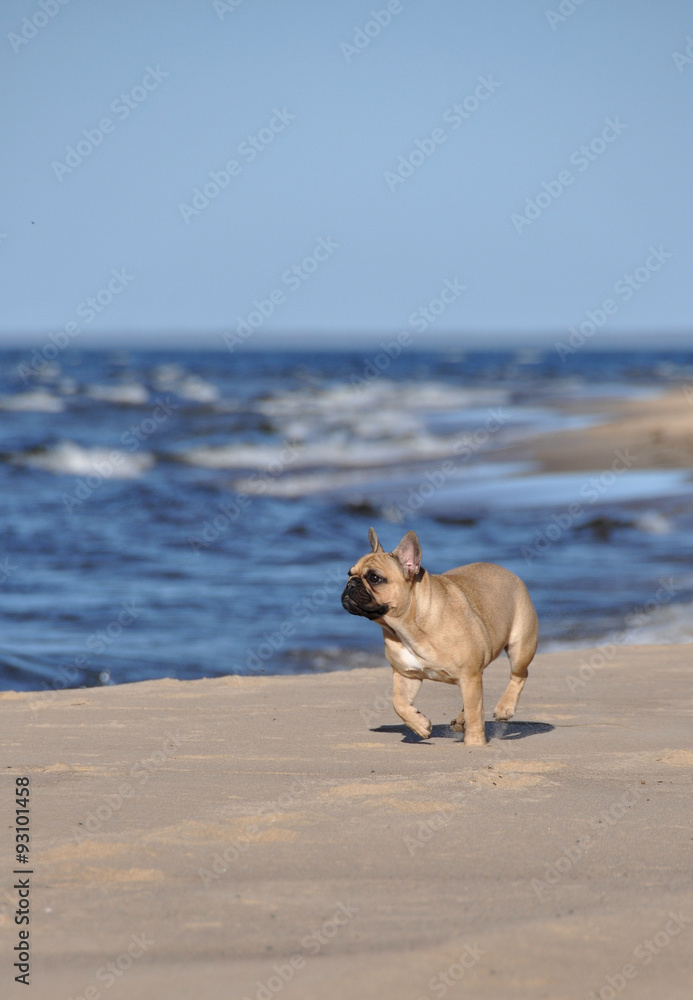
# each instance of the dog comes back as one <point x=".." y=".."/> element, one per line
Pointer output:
<point x="444" y="627"/>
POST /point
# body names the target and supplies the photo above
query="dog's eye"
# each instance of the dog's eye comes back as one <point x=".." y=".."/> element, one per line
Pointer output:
<point x="375" y="579"/>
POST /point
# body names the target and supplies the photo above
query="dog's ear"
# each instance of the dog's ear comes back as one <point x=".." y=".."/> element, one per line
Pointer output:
<point x="408" y="555"/>
<point x="373" y="539"/>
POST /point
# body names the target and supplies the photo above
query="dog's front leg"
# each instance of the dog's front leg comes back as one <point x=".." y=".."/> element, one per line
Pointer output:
<point x="473" y="701"/>
<point x="404" y="690"/>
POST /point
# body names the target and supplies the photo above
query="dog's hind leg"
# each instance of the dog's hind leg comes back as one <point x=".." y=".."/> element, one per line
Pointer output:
<point x="520" y="649"/>
<point x="404" y="690"/>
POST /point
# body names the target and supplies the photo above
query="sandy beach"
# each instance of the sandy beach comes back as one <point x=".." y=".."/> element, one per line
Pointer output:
<point x="248" y="837"/>
<point x="655" y="433"/>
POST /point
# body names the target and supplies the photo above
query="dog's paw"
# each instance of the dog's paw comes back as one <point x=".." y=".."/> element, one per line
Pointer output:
<point x="457" y="725"/>
<point x="421" y="726"/>
<point x="503" y="712"/>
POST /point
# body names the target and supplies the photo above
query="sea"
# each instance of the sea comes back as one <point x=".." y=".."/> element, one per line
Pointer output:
<point x="194" y="514"/>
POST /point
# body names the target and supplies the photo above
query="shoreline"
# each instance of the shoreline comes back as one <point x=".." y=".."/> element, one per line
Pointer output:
<point x="235" y="826"/>
<point x="657" y="433"/>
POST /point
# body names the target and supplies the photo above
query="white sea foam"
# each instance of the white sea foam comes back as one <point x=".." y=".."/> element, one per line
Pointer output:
<point x="666" y="624"/>
<point x="126" y="394"/>
<point x="337" y="427"/>
<point x="372" y="431"/>
<point x="167" y="373"/>
<point x="173" y="378"/>
<point x="195" y="388"/>
<point x="670" y="623"/>
<point x="69" y="458"/>
<point x="336" y="451"/>
<point x="345" y="403"/>
<point x="36" y="401"/>
<point x="653" y="523"/>
<point x="364" y="485"/>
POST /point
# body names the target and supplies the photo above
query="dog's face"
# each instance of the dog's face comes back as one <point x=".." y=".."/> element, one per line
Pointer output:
<point x="380" y="583"/>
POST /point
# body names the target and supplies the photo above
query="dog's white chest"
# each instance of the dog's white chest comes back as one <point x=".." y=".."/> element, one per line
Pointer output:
<point x="412" y="665"/>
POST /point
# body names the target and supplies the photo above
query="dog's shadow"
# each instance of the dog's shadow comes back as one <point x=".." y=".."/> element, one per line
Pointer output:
<point x="494" y="731"/>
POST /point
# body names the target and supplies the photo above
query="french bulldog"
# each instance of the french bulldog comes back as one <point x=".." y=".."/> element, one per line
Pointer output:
<point x="444" y="627"/>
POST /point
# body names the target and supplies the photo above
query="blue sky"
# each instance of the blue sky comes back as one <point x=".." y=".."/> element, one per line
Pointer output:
<point x="348" y="166"/>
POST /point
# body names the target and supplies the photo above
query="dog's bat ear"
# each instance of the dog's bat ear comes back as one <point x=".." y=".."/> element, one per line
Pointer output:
<point x="373" y="539"/>
<point x="408" y="555"/>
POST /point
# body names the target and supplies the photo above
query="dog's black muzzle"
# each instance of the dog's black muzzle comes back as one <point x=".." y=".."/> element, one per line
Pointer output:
<point x="357" y="601"/>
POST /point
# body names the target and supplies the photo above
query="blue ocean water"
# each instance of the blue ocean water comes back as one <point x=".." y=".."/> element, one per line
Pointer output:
<point x="190" y="514"/>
